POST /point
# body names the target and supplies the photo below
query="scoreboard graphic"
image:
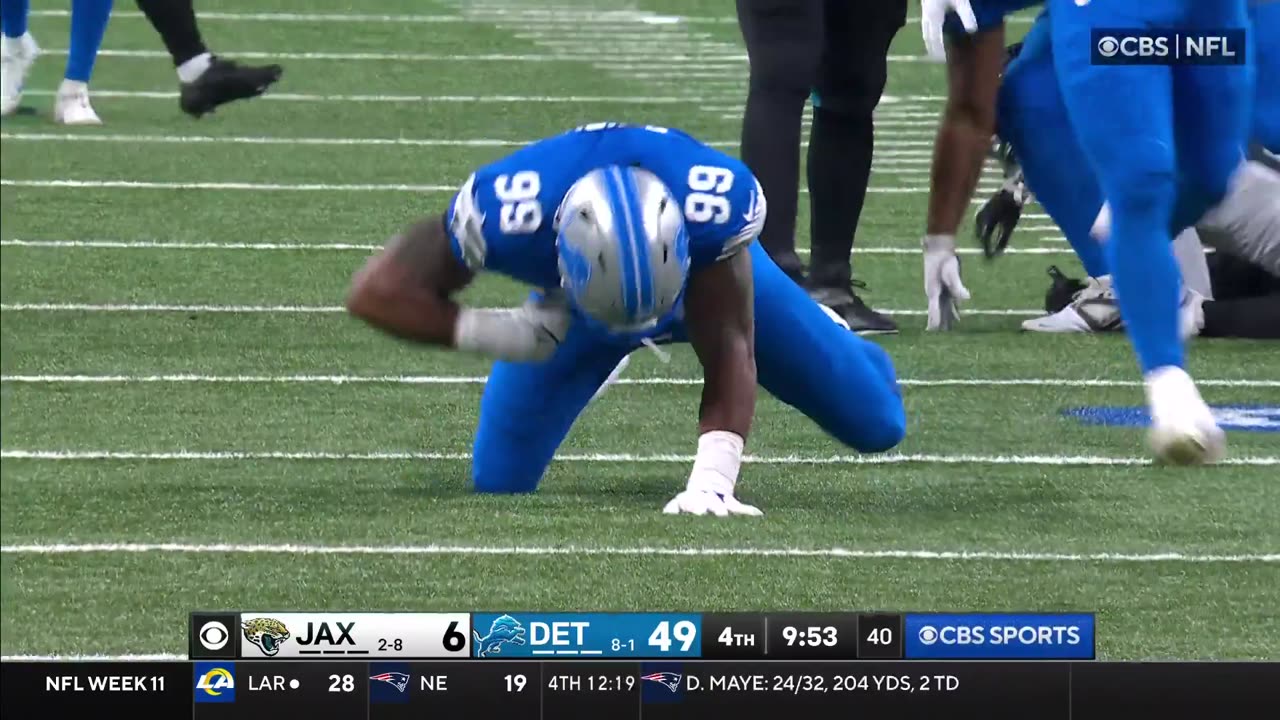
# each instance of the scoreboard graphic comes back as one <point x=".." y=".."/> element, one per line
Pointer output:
<point x="514" y="665"/>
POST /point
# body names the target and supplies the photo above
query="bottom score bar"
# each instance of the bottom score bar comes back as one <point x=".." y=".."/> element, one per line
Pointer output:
<point x="622" y="690"/>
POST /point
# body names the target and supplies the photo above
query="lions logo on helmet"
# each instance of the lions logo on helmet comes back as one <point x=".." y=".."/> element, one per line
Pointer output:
<point x="623" y="247"/>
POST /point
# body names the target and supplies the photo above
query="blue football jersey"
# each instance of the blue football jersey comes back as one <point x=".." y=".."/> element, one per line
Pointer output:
<point x="504" y="218"/>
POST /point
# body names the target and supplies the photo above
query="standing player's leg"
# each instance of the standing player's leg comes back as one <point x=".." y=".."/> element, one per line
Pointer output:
<point x="18" y="50"/>
<point x="842" y="382"/>
<point x="89" y="20"/>
<point x="1213" y="108"/>
<point x="1032" y="117"/>
<point x="1123" y="117"/>
<point x="528" y="409"/>
<point x="207" y="80"/>
<point x="1266" y="108"/>
<point x="850" y="82"/>
<point x="784" y="41"/>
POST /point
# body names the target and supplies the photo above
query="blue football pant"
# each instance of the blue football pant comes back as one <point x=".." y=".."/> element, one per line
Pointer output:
<point x="1032" y="117"/>
<point x="846" y="384"/>
<point x="1266" y="109"/>
<point x="1143" y="128"/>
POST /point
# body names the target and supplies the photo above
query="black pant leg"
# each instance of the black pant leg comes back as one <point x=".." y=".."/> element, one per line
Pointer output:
<point x="783" y="39"/>
<point x="851" y="79"/>
<point x="175" y="21"/>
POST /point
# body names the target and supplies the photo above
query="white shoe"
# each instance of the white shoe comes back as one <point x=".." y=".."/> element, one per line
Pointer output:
<point x="16" y="57"/>
<point x="1092" y="309"/>
<point x="1183" y="430"/>
<point x="72" y="107"/>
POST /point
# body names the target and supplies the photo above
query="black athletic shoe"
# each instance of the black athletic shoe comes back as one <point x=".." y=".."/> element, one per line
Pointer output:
<point x="226" y="81"/>
<point x="861" y="318"/>
<point x="1062" y="291"/>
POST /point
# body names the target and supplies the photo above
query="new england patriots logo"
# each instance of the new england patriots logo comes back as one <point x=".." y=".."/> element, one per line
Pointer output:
<point x="669" y="679"/>
<point x="398" y="680"/>
<point x="505" y="629"/>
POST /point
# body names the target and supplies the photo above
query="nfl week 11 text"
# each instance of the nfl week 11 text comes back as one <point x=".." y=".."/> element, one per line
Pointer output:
<point x="620" y="689"/>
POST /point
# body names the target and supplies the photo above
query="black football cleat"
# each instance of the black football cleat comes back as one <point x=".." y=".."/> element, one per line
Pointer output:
<point x="860" y="317"/>
<point x="1062" y="291"/>
<point x="226" y="81"/>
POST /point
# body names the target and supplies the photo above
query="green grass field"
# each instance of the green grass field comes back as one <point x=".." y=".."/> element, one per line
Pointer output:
<point x="190" y="421"/>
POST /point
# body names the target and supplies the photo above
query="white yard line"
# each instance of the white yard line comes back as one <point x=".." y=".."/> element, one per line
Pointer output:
<point x="509" y="99"/>
<point x="890" y="149"/>
<point x="375" y="98"/>
<point x="886" y="459"/>
<point x="481" y="379"/>
<point x="153" y="657"/>
<point x="335" y="187"/>
<point x="324" y="309"/>
<point x="159" y="245"/>
<point x="639" y="551"/>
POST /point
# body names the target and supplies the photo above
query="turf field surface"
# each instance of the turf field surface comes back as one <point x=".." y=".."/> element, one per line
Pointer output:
<point x="189" y="419"/>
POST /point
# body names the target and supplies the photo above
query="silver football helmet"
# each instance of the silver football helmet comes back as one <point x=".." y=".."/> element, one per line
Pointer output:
<point x="623" y="247"/>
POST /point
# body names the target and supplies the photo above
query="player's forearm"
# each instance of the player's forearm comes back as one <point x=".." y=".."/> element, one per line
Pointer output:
<point x="729" y="391"/>
<point x="381" y="296"/>
<point x="405" y="289"/>
<point x="964" y="135"/>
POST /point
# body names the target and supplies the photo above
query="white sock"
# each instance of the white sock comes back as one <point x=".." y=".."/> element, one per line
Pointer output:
<point x="191" y="70"/>
<point x="73" y="87"/>
<point x="1191" y="261"/>
<point x="11" y="45"/>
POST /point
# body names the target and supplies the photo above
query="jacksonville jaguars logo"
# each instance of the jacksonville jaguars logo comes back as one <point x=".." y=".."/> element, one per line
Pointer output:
<point x="266" y="633"/>
<point x="504" y="630"/>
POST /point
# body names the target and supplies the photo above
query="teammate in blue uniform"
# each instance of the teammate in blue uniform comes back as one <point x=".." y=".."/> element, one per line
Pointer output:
<point x="1144" y="130"/>
<point x="630" y="236"/>
<point x="1033" y="120"/>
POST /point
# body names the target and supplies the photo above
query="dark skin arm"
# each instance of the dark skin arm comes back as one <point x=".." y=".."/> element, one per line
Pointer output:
<point x="974" y="66"/>
<point x="720" y="317"/>
<point x="405" y="289"/>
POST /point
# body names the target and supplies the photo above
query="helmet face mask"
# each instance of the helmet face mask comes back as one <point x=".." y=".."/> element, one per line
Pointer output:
<point x="623" y="248"/>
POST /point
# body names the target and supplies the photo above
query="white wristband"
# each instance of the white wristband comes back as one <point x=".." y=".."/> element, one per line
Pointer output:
<point x="501" y="334"/>
<point x="715" y="469"/>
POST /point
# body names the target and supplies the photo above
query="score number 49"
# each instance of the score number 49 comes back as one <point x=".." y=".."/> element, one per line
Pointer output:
<point x="683" y="632"/>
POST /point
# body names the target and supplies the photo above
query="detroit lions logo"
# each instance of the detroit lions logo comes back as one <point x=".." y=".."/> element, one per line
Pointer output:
<point x="505" y="629"/>
<point x="668" y="679"/>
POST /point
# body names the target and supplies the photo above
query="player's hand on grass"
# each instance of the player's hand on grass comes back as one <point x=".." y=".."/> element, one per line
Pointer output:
<point x="933" y="16"/>
<point x="704" y="502"/>
<point x="942" y="285"/>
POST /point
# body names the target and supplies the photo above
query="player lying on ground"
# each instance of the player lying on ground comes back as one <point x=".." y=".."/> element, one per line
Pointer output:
<point x="1157" y="138"/>
<point x="631" y="236"/>
<point x="1039" y="149"/>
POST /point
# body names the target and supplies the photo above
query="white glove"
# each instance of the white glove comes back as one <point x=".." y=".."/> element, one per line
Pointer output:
<point x="942" y="285"/>
<point x="933" y="15"/>
<point x="701" y="502"/>
<point x="530" y="332"/>
<point x="715" y="472"/>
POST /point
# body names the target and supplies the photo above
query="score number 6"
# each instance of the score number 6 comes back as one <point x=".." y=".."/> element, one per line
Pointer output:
<point x="683" y="632"/>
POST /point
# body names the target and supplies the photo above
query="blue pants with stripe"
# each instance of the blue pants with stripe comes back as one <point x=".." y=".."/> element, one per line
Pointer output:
<point x="844" y="383"/>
